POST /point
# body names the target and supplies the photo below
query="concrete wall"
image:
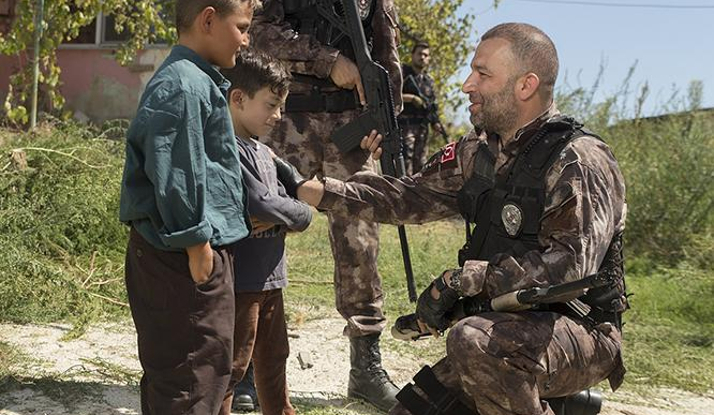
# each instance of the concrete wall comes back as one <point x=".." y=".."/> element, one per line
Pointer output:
<point x="93" y="83"/>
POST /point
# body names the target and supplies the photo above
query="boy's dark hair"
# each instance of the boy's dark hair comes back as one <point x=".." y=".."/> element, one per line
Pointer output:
<point x="420" y="45"/>
<point x="187" y="10"/>
<point x="256" y="70"/>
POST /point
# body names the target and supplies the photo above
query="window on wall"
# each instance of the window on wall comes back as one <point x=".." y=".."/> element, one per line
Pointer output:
<point x="99" y="33"/>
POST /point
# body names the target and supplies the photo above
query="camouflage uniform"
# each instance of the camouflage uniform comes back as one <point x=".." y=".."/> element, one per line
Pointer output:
<point x="503" y="363"/>
<point x="414" y="123"/>
<point x="303" y="139"/>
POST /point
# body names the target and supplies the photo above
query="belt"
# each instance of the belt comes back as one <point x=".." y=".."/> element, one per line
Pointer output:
<point x="318" y="101"/>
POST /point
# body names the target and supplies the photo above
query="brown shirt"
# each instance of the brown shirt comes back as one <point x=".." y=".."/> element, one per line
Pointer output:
<point x="585" y="206"/>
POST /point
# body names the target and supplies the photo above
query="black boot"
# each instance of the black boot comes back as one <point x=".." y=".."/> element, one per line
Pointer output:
<point x="244" y="394"/>
<point x="368" y="380"/>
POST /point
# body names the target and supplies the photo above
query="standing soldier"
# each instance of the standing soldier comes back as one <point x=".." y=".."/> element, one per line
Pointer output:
<point x="419" y="108"/>
<point x="326" y="93"/>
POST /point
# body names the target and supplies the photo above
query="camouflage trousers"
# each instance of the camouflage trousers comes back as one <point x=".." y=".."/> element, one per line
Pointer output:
<point x="415" y="149"/>
<point x="303" y="139"/>
<point x="504" y="363"/>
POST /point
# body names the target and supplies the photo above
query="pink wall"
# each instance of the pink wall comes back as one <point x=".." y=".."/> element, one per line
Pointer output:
<point x="93" y="83"/>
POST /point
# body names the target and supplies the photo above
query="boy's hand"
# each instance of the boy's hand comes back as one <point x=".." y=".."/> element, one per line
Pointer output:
<point x="371" y="142"/>
<point x="259" y="226"/>
<point x="200" y="262"/>
<point x="346" y="75"/>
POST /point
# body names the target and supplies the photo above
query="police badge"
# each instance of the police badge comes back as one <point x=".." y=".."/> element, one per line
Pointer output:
<point x="512" y="218"/>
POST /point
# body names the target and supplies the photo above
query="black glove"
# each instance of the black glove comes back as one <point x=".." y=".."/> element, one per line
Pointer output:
<point x="433" y="312"/>
<point x="288" y="176"/>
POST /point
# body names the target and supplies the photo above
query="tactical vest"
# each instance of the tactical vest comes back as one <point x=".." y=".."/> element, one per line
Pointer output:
<point x="320" y="19"/>
<point x="506" y="211"/>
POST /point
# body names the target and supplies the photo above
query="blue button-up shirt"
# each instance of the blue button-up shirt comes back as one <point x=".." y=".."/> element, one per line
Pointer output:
<point x="182" y="183"/>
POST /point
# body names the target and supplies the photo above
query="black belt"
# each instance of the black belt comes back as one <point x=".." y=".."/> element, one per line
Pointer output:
<point x="318" y="101"/>
<point x="412" y="120"/>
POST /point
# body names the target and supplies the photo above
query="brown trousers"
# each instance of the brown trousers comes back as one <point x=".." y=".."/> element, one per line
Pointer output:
<point x="184" y="331"/>
<point x="261" y="334"/>
<point x="505" y="363"/>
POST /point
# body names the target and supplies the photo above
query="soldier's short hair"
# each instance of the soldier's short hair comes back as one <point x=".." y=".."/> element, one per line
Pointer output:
<point x="532" y="49"/>
<point x="420" y="45"/>
<point x="256" y="70"/>
<point x="187" y="10"/>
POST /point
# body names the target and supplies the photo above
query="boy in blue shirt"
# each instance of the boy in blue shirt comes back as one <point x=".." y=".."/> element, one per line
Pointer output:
<point x="259" y="86"/>
<point x="182" y="196"/>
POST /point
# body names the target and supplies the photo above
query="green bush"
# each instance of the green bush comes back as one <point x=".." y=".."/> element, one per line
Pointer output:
<point x="668" y="164"/>
<point x="63" y="243"/>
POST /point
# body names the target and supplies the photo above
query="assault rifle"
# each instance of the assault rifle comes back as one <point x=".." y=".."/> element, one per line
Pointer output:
<point x="379" y="114"/>
<point x="432" y="109"/>
<point x="406" y="327"/>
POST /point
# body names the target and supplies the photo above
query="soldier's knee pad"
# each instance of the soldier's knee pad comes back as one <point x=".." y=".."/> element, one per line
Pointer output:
<point x="439" y="401"/>
<point x="587" y="402"/>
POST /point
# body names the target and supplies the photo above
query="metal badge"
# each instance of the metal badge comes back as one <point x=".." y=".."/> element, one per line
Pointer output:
<point x="365" y="6"/>
<point x="512" y="217"/>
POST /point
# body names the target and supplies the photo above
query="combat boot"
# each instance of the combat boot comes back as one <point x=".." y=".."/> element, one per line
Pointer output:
<point x="368" y="380"/>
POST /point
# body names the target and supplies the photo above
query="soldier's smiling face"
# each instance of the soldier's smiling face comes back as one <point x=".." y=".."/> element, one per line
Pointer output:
<point x="491" y="86"/>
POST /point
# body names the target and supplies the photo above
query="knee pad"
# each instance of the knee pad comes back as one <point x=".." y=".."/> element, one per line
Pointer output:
<point x="439" y="400"/>
<point x="587" y="402"/>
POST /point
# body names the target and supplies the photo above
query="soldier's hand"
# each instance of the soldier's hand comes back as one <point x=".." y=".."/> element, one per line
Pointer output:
<point x="434" y="305"/>
<point x="371" y="143"/>
<point x="345" y="74"/>
<point x="418" y="102"/>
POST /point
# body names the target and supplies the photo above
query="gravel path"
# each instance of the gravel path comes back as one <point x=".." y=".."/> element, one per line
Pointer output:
<point x="95" y="373"/>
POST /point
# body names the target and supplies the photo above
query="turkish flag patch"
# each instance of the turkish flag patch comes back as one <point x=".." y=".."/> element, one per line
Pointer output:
<point x="448" y="153"/>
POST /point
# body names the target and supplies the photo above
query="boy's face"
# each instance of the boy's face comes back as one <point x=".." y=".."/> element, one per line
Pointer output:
<point x="228" y="34"/>
<point x="258" y="115"/>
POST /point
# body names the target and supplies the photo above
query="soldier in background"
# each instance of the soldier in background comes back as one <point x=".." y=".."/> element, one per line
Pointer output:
<point x="419" y="108"/>
<point x="326" y="92"/>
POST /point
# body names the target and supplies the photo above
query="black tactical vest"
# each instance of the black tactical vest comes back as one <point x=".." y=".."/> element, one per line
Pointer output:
<point x="321" y="18"/>
<point x="507" y="210"/>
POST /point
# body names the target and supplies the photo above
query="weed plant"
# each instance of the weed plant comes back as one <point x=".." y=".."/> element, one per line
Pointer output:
<point x="63" y="246"/>
<point x="62" y="243"/>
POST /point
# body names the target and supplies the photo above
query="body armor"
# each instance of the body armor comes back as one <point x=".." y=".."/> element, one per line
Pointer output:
<point x="507" y="210"/>
<point x="323" y="20"/>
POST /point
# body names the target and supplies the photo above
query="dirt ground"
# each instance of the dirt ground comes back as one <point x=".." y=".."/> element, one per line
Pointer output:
<point x="96" y="373"/>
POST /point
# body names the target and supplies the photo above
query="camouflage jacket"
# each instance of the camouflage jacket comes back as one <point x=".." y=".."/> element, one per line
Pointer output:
<point x="306" y="56"/>
<point x="584" y="207"/>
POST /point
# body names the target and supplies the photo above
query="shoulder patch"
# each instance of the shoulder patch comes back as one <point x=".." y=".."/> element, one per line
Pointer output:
<point x="443" y="159"/>
<point x="448" y="153"/>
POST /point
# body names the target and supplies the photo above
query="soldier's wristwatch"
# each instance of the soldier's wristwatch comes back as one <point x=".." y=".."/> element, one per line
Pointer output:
<point x="455" y="280"/>
<point x="440" y="283"/>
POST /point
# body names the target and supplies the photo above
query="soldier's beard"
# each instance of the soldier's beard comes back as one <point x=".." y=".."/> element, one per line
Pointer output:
<point x="498" y="111"/>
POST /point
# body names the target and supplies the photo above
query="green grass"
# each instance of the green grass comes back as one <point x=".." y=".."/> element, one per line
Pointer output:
<point x="669" y="332"/>
<point x="63" y="247"/>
